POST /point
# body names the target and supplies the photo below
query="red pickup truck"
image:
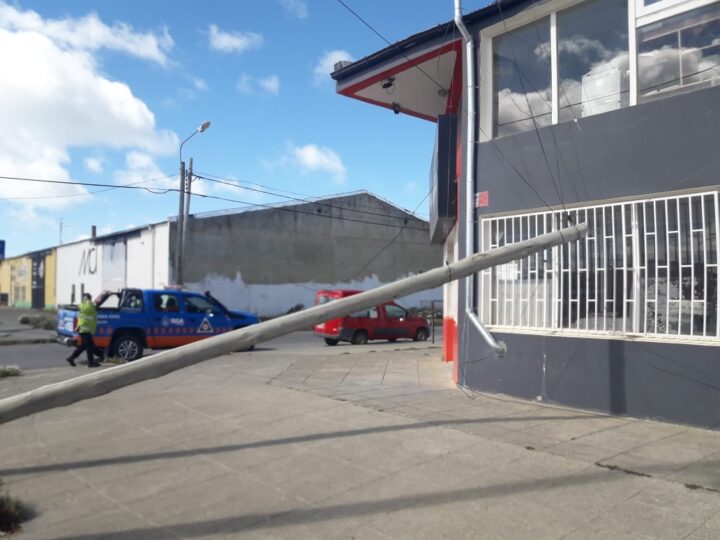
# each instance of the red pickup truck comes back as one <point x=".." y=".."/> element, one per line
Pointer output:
<point x="385" y="321"/>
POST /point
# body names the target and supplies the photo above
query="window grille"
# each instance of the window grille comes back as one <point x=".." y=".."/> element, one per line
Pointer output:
<point x="647" y="267"/>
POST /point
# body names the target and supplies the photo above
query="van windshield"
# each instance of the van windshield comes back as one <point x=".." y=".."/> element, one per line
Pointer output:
<point x="323" y="299"/>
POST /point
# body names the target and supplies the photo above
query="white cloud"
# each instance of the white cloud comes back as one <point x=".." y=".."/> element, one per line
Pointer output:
<point x="57" y="99"/>
<point x="199" y="84"/>
<point x="326" y="64"/>
<point x="94" y="164"/>
<point x="298" y="8"/>
<point x="248" y="84"/>
<point x="270" y="84"/>
<point x="89" y="33"/>
<point x="141" y="167"/>
<point x="313" y="158"/>
<point x="411" y="186"/>
<point x="233" y="41"/>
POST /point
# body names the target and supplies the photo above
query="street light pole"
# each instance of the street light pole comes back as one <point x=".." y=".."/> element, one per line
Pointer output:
<point x="180" y="232"/>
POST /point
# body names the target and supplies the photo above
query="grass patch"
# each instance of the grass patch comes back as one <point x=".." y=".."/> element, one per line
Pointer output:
<point x="9" y="371"/>
<point x="12" y="513"/>
<point x="114" y="360"/>
<point x="45" y="321"/>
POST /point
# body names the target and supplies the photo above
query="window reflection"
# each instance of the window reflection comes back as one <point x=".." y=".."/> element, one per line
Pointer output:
<point x="592" y="58"/>
<point x="679" y="53"/>
<point x="522" y="79"/>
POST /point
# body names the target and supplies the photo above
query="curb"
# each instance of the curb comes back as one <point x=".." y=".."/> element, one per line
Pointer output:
<point x="29" y="341"/>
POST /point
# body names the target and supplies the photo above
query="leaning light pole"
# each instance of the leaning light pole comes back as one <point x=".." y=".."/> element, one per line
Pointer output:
<point x="104" y="382"/>
<point x="180" y="232"/>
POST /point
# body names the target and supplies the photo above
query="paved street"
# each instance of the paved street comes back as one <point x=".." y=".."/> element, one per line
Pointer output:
<point x="348" y="442"/>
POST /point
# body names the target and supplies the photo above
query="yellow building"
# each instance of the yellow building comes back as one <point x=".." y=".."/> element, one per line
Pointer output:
<point x="28" y="281"/>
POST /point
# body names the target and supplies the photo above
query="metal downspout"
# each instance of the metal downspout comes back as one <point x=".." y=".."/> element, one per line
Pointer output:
<point x="500" y="348"/>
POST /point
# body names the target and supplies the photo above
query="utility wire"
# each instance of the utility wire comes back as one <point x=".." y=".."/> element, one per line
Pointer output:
<point x="314" y="214"/>
<point x="155" y="191"/>
<point x="396" y="46"/>
<point x="85" y="194"/>
<point x="229" y="182"/>
<point x="491" y="140"/>
<point x="163" y="191"/>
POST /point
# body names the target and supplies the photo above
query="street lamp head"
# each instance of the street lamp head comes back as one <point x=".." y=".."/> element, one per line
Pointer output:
<point x="203" y="126"/>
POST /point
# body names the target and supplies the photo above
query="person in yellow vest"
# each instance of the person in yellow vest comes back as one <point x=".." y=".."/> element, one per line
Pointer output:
<point x="86" y="325"/>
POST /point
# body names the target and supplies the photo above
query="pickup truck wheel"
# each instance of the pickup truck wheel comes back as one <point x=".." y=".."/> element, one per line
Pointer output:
<point x="128" y="347"/>
<point x="330" y="341"/>
<point x="360" y="338"/>
<point x="421" y="335"/>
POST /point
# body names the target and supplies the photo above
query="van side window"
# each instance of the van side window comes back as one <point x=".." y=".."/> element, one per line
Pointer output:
<point x="395" y="312"/>
<point x="372" y="313"/>
<point x="363" y="314"/>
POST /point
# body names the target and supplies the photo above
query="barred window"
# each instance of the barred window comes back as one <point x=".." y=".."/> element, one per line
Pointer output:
<point x="646" y="267"/>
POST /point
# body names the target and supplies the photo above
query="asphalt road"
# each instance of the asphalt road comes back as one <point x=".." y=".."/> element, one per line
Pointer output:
<point x="53" y="355"/>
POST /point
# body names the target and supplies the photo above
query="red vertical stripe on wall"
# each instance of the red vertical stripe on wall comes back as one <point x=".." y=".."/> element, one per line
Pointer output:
<point x="449" y="339"/>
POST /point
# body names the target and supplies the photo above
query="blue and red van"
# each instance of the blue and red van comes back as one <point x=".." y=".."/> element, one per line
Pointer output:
<point x="385" y="321"/>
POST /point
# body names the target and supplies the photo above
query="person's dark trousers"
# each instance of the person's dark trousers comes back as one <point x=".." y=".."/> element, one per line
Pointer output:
<point x="87" y="344"/>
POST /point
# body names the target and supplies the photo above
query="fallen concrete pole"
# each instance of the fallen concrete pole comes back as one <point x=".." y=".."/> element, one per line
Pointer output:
<point x="103" y="382"/>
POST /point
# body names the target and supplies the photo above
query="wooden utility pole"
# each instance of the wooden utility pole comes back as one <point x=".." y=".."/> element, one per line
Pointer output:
<point x="105" y="381"/>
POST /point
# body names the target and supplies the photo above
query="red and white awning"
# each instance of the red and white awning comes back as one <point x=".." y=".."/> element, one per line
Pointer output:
<point x="425" y="85"/>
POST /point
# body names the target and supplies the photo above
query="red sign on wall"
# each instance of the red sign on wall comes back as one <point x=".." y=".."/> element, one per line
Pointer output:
<point x="482" y="199"/>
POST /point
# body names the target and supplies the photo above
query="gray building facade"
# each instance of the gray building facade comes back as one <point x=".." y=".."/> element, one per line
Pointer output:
<point x="598" y="111"/>
<point x="271" y="260"/>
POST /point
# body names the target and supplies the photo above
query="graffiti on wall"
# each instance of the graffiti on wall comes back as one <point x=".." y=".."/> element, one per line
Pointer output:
<point x="88" y="262"/>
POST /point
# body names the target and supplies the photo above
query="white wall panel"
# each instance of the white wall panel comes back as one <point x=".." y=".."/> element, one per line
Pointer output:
<point x="78" y="265"/>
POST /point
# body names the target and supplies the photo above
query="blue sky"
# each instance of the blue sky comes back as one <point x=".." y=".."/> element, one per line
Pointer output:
<point x="105" y="91"/>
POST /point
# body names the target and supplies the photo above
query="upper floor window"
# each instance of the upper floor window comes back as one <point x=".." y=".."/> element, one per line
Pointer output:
<point x="592" y="45"/>
<point x="542" y="77"/>
<point x="522" y="78"/>
<point x="592" y="57"/>
<point x="679" y="53"/>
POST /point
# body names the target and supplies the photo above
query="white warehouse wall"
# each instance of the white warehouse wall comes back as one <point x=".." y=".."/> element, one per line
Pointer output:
<point x="147" y="258"/>
<point x="139" y="259"/>
<point x="79" y="265"/>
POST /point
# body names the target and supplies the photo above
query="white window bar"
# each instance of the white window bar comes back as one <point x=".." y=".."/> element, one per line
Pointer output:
<point x="646" y="267"/>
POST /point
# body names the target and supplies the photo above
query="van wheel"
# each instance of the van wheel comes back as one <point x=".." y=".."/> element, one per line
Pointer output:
<point x="329" y="341"/>
<point x="128" y="347"/>
<point x="360" y="338"/>
<point x="422" y="334"/>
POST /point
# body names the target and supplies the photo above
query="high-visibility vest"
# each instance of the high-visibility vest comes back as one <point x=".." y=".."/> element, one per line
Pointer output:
<point x="87" y="318"/>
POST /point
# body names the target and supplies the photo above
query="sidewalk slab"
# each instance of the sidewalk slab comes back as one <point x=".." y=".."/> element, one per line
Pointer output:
<point x="349" y="444"/>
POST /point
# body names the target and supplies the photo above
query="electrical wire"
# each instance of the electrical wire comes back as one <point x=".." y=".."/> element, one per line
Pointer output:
<point x="491" y="140"/>
<point x="153" y="190"/>
<point x="396" y="46"/>
<point x="85" y="194"/>
<point x="162" y="191"/>
<point x="230" y="182"/>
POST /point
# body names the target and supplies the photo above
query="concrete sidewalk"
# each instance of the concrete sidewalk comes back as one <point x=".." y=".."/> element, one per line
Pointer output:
<point x="14" y="333"/>
<point x="349" y="442"/>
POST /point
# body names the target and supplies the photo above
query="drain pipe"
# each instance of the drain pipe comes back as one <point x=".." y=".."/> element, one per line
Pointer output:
<point x="500" y="348"/>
